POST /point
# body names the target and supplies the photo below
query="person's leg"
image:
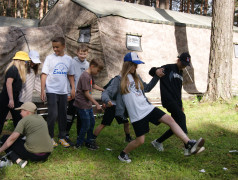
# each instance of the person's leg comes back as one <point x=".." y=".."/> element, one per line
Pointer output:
<point x="107" y="119"/>
<point x="16" y="116"/>
<point x="130" y="147"/>
<point x="98" y="130"/>
<point x="62" y="119"/>
<point x="179" y="117"/>
<point x="62" y="115"/>
<point x="78" y="123"/>
<point x="70" y="116"/>
<point x="52" y="103"/>
<point x="3" y="114"/>
<point x="90" y="142"/>
<point x="85" y="119"/>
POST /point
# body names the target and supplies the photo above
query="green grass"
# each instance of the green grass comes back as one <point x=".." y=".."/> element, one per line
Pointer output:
<point x="216" y="122"/>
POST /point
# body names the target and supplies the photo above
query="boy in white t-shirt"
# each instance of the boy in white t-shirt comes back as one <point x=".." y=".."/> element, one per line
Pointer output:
<point x="56" y="71"/>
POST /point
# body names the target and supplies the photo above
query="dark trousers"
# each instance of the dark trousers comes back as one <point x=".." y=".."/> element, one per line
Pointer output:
<point x="88" y="123"/>
<point x="180" y="118"/>
<point x="17" y="150"/>
<point x="71" y="112"/>
<point x="57" y="108"/>
<point x="4" y="110"/>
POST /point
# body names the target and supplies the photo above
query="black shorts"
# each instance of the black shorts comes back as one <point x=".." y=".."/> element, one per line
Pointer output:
<point x="109" y="115"/>
<point x="141" y="127"/>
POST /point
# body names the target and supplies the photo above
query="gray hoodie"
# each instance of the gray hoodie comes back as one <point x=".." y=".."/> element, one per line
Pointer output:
<point x="112" y="92"/>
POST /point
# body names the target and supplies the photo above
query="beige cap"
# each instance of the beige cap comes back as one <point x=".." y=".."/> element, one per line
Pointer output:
<point x="28" y="106"/>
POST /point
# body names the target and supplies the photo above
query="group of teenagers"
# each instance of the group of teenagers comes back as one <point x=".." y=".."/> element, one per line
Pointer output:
<point x="67" y="84"/>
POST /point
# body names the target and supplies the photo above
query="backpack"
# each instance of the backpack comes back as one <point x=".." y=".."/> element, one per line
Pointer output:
<point x="109" y="82"/>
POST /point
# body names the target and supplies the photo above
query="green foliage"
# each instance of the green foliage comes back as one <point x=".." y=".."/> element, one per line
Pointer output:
<point x="216" y="122"/>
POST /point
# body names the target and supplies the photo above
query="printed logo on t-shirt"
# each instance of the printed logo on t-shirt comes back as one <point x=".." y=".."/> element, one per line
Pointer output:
<point x="132" y="88"/>
<point x="91" y="84"/>
<point x="60" y="69"/>
<point x="175" y="75"/>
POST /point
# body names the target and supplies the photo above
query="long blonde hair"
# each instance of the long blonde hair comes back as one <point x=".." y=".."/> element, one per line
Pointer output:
<point x="21" y="66"/>
<point x="126" y="67"/>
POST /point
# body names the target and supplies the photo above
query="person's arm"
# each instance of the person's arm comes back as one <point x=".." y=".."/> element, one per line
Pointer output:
<point x="90" y="98"/>
<point x="95" y="86"/>
<point x="9" y="92"/>
<point x="71" y="81"/>
<point x="12" y="138"/>
<point x="43" y="82"/>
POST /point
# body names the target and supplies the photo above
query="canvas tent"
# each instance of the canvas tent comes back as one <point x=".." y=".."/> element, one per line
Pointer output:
<point x="21" y="35"/>
<point x="163" y="35"/>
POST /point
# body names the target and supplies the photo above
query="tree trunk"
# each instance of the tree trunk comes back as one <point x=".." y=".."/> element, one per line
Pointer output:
<point x="157" y="3"/>
<point x="221" y="51"/>
<point x="188" y="6"/>
<point x="41" y="10"/>
<point x="15" y="9"/>
<point x="201" y="8"/>
<point x="181" y="5"/>
<point x="46" y="6"/>
<point x="24" y="8"/>
<point x="162" y="4"/>
<point x="170" y="5"/>
<point x="205" y="7"/>
<point x="192" y="6"/>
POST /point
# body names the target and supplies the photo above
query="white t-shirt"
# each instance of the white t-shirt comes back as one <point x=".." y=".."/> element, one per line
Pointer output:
<point x="135" y="101"/>
<point x="57" y="68"/>
<point x="79" y="68"/>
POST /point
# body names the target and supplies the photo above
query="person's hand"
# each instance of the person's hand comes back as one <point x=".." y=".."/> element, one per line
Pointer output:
<point x="98" y="107"/>
<point x="160" y="72"/>
<point x="104" y="106"/>
<point x="69" y="98"/>
<point x="109" y="104"/>
<point x="182" y="109"/>
<point x="72" y="93"/>
<point x="11" y="104"/>
<point x="43" y="95"/>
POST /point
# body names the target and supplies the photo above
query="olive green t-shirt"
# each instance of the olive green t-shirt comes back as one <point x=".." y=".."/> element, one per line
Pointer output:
<point x="35" y="128"/>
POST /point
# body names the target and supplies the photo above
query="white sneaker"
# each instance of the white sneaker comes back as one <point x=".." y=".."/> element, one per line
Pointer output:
<point x="54" y="143"/>
<point x="187" y="152"/>
<point x="157" y="145"/>
<point x="125" y="158"/>
<point x="5" y="163"/>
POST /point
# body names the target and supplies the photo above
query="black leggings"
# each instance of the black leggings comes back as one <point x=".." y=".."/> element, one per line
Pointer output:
<point x="180" y="118"/>
<point x="18" y="150"/>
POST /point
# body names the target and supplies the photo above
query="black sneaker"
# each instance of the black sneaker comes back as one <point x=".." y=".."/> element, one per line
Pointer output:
<point x="124" y="158"/>
<point x="91" y="146"/>
<point x="194" y="146"/>
<point x="128" y="139"/>
<point x="93" y="141"/>
<point x="78" y="146"/>
<point x="69" y="142"/>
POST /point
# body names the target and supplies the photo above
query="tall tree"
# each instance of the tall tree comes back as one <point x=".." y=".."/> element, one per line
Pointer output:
<point x="188" y="6"/>
<point x="220" y="61"/>
<point x="192" y="6"/>
<point x="41" y="10"/>
<point x="201" y="8"/>
<point x="205" y="7"/>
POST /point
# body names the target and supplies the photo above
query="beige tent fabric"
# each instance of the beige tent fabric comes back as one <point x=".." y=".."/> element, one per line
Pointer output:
<point x="12" y="40"/>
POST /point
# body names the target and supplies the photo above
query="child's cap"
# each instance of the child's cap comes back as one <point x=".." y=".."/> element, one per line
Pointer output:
<point x="133" y="57"/>
<point x="185" y="58"/>
<point x="21" y="55"/>
<point x="34" y="56"/>
<point x="28" y="106"/>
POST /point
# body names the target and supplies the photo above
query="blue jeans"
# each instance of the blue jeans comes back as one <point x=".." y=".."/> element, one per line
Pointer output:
<point x="87" y="126"/>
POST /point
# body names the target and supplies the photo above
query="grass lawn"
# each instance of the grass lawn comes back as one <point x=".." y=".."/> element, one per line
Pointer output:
<point x="217" y="123"/>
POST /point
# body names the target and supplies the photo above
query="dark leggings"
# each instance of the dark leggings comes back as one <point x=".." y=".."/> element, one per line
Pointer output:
<point x="4" y="110"/>
<point x="17" y="150"/>
<point x="180" y="118"/>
